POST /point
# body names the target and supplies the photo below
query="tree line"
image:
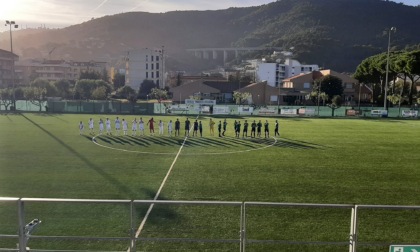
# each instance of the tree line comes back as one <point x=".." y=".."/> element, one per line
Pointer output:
<point x="403" y="74"/>
<point x="90" y="86"/>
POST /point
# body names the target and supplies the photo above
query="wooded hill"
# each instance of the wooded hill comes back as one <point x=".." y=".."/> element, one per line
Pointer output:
<point x="335" y="34"/>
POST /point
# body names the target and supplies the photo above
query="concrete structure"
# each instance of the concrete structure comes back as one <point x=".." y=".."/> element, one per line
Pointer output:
<point x="145" y="64"/>
<point x="7" y="59"/>
<point x="275" y="72"/>
<point x="226" y="53"/>
<point x="54" y="70"/>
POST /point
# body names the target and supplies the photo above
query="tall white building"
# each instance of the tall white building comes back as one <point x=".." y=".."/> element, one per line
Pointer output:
<point x="277" y="71"/>
<point x="145" y="64"/>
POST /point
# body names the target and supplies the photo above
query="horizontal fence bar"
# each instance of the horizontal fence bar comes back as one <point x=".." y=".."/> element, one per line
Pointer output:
<point x="396" y="207"/>
<point x="8" y="199"/>
<point x="297" y="242"/>
<point x="9" y="236"/>
<point x="276" y="204"/>
<point x="180" y="202"/>
<point x="189" y="240"/>
<point x="41" y="237"/>
<point x="74" y="200"/>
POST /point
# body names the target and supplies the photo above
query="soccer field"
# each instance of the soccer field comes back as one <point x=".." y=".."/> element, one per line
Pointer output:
<point x="334" y="161"/>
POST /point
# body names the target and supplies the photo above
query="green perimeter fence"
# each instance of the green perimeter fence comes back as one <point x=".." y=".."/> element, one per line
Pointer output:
<point x="118" y="107"/>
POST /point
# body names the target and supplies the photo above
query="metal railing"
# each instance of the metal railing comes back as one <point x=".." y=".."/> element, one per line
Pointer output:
<point x="244" y="215"/>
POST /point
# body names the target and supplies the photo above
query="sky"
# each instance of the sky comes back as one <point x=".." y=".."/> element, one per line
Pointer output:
<point x="62" y="13"/>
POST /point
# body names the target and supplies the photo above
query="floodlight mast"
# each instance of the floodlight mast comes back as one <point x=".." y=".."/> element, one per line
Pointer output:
<point x="393" y="29"/>
<point x="10" y="24"/>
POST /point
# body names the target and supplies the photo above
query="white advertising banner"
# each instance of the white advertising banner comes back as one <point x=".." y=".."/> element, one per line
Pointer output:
<point x="267" y="111"/>
<point x="379" y="113"/>
<point x="289" y="111"/>
<point x="245" y="110"/>
<point x="178" y="109"/>
<point x="409" y="113"/>
<point x="221" y="110"/>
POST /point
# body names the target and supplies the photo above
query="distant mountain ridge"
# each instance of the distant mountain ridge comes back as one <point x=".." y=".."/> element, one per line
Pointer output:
<point x="335" y="34"/>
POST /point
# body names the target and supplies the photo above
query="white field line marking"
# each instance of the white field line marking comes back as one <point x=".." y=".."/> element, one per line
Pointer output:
<point x="143" y="222"/>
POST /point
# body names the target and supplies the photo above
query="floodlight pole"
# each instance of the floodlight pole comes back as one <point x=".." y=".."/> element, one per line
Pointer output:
<point x="387" y="64"/>
<point x="10" y="24"/>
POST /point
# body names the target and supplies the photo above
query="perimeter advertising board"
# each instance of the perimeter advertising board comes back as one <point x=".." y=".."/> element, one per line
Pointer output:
<point x="221" y="110"/>
<point x="409" y="113"/>
<point x="245" y="110"/>
<point x="289" y="111"/>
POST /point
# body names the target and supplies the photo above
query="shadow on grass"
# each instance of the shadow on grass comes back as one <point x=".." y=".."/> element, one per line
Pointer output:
<point x="161" y="213"/>
<point x="56" y="116"/>
<point x="214" y="142"/>
<point x="127" y="193"/>
<point x="296" y="144"/>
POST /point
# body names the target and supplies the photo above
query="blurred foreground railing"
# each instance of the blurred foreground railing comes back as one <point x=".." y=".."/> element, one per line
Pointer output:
<point x="256" y="226"/>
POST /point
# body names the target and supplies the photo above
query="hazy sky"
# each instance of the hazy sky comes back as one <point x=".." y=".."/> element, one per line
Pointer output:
<point x="61" y="13"/>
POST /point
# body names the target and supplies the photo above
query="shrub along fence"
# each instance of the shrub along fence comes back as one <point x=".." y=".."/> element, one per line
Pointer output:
<point x="118" y="107"/>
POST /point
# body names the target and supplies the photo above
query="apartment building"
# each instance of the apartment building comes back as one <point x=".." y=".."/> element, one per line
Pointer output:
<point x="275" y="72"/>
<point x="53" y="70"/>
<point x="144" y="64"/>
<point x="6" y="65"/>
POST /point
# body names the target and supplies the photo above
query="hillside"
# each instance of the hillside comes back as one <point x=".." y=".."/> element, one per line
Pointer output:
<point x="332" y="33"/>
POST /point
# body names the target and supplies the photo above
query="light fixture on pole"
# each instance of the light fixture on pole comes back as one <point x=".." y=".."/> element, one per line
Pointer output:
<point x="393" y="29"/>
<point x="10" y="24"/>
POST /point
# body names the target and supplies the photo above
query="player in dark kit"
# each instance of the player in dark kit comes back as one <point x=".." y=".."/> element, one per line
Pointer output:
<point x="238" y="129"/>
<point x="253" y="127"/>
<point x="224" y="127"/>
<point x="245" y="132"/>
<point x="195" y="128"/>
<point x="266" y="131"/>
<point x="200" y="128"/>
<point x="177" y="127"/>
<point x="187" y="127"/>
<point x="219" y="128"/>
<point x="259" y="125"/>
<point x="276" y="129"/>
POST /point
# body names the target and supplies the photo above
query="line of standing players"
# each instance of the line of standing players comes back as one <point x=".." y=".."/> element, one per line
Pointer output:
<point x="197" y="127"/>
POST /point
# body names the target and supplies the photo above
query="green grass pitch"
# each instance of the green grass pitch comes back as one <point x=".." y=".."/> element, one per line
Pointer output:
<point x="347" y="161"/>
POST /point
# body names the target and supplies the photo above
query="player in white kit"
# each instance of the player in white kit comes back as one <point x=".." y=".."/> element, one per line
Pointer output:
<point x="117" y="126"/>
<point x="81" y="128"/>
<point x="91" y="130"/>
<point x="125" y="126"/>
<point x="141" y="126"/>
<point x="134" y="127"/>
<point x="108" y="126"/>
<point x="170" y="128"/>
<point x="101" y="126"/>
<point x="160" y="127"/>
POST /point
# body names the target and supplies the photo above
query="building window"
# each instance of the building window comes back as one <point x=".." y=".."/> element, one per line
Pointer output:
<point x="306" y="85"/>
<point x="147" y="75"/>
<point x="157" y="65"/>
<point x="157" y="58"/>
<point x="152" y="65"/>
<point x="147" y="57"/>
<point x="152" y="57"/>
<point x="153" y="75"/>
<point x="157" y="83"/>
<point x="349" y="86"/>
<point x="147" y="66"/>
<point x="302" y="69"/>
<point x="157" y="74"/>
